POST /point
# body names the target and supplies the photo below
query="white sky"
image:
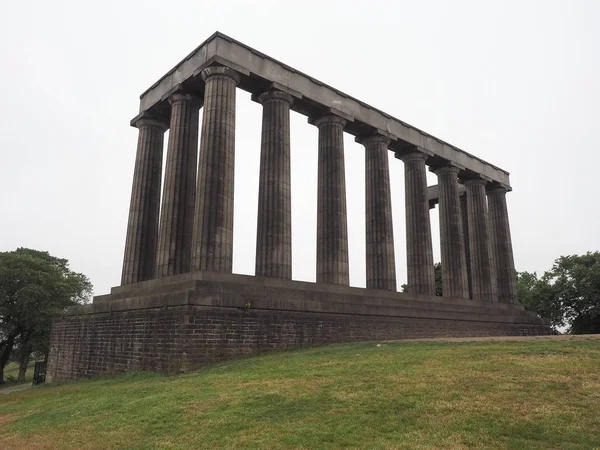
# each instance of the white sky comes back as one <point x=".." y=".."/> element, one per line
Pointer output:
<point x="513" y="82"/>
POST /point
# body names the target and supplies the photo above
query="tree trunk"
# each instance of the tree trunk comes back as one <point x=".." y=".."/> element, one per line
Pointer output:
<point x="5" y="352"/>
<point x="24" y="360"/>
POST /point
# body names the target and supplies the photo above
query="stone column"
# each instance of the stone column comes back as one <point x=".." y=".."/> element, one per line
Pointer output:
<point x="465" y="224"/>
<point x="478" y="240"/>
<point x="419" y="249"/>
<point x="493" y="269"/>
<point x="274" y="231"/>
<point x="454" y="266"/>
<point x="381" y="266"/>
<point x="213" y="225"/>
<point x="332" y="227"/>
<point x="177" y="212"/>
<point x="501" y="245"/>
<point x="142" y="228"/>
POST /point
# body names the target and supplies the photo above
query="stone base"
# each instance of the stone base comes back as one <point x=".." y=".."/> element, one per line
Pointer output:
<point x="184" y="322"/>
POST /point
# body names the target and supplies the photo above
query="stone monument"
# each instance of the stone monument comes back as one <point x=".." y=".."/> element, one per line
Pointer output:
<point x="179" y="306"/>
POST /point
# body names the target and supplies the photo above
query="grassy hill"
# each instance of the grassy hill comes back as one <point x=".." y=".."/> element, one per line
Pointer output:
<point x="534" y="394"/>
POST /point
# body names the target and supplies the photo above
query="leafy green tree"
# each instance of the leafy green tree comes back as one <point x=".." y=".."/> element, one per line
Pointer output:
<point x="537" y="294"/>
<point x="437" y="268"/>
<point x="35" y="288"/>
<point x="525" y="285"/>
<point x="568" y="294"/>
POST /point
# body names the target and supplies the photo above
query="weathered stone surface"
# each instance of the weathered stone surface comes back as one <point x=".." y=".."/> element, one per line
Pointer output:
<point x="454" y="266"/>
<point x="381" y="265"/>
<point x="274" y="230"/>
<point x="478" y="240"/>
<point x="184" y="339"/>
<point x="142" y="228"/>
<point x="190" y="320"/>
<point x="233" y="290"/>
<point x="464" y="212"/>
<point x="332" y="226"/>
<point x="179" y="193"/>
<point x="501" y="246"/>
<point x="213" y="224"/>
<point x="419" y="249"/>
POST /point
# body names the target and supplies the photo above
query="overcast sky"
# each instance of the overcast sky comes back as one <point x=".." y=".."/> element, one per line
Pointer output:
<point x="513" y="82"/>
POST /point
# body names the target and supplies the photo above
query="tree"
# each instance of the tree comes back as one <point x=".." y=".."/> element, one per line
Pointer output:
<point x="525" y="285"/>
<point x="437" y="268"/>
<point x="35" y="288"/>
<point x="568" y="294"/>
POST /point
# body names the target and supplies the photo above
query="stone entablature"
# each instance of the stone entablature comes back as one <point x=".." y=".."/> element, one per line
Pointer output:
<point x="258" y="72"/>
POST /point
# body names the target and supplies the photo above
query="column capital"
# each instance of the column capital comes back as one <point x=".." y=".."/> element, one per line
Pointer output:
<point x="372" y="139"/>
<point x="470" y="178"/>
<point x="447" y="169"/>
<point x="474" y="181"/>
<point x="444" y="164"/>
<point x="181" y="96"/>
<point x="275" y="95"/>
<point x="414" y="155"/>
<point x="146" y="122"/>
<point x="149" y="116"/>
<point x="274" y="86"/>
<point x="495" y="189"/>
<point x="411" y="153"/>
<point x="328" y="118"/>
<point x="212" y="71"/>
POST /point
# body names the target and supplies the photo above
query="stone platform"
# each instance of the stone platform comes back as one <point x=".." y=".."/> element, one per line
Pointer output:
<point x="186" y="321"/>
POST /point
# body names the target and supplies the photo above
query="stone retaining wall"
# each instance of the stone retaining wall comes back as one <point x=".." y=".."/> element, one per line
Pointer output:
<point x="184" y="338"/>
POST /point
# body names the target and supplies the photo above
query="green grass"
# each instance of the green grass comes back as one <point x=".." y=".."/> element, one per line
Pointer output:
<point x="11" y="371"/>
<point x="488" y="395"/>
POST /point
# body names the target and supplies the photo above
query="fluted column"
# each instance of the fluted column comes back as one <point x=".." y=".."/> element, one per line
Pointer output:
<point x="177" y="212"/>
<point x="142" y="228"/>
<point x="481" y="277"/>
<point x="213" y="225"/>
<point x="454" y="266"/>
<point x="274" y="231"/>
<point x="493" y="269"/>
<point x="464" y="213"/>
<point x="381" y="266"/>
<point x="502" y="252"/>
<point x="332" y="227"/>
<point x="419" y="248"/>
